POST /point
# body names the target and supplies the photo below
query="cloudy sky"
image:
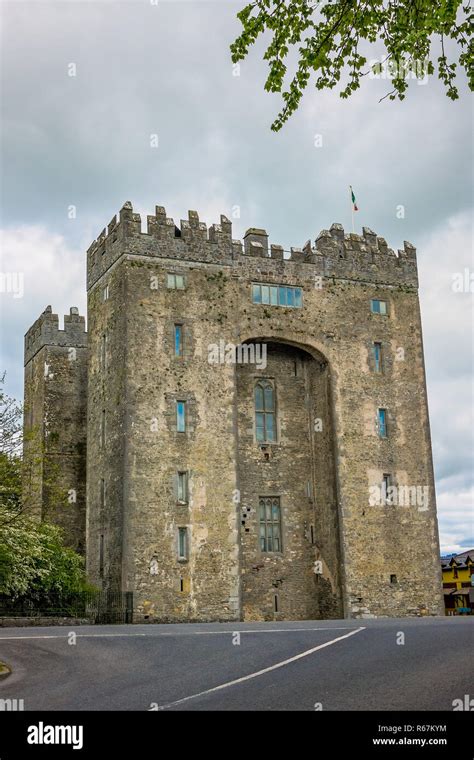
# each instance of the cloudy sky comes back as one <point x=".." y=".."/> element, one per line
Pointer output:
<point x="144" y="68"/>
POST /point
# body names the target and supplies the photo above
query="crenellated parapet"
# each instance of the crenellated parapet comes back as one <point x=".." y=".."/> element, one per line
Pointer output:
<point x="45" y="332"/>
<point x="334" y="254"/>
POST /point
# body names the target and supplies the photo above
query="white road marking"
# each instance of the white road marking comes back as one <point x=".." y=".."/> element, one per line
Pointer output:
<point x="265" y="670"/>
<point x="170" y="633"/>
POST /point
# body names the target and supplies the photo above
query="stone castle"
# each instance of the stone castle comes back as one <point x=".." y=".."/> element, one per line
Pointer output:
<point x="241" y="435"/>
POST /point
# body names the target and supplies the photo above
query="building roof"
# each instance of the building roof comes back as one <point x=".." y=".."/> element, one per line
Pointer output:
<point x="457" y="560"/>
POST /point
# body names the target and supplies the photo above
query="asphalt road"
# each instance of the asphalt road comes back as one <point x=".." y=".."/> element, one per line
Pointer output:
<point x="329" y="665"/>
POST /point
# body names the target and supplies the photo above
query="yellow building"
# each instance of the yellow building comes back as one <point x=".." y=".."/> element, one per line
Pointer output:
<point x="458" y="576"/>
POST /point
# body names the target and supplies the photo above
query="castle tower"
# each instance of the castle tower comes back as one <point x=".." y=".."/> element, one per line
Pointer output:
<point x="258" y="432"/>
<point x="55" y="423"/>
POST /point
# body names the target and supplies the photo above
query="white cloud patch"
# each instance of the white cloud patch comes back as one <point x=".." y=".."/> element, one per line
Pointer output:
<point x="52" y="272"/>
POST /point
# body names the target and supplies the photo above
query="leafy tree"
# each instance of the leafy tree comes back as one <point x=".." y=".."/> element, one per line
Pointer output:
<point x="329" y="37"/>
<point x="34" y="560"/>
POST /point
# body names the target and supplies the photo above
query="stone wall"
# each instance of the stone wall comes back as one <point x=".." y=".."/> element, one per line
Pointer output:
<point x="373" y="559"/>
<point x="55" y="423"/>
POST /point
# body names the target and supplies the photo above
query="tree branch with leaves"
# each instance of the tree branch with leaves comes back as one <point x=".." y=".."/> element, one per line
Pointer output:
<point x="328" y="37"/>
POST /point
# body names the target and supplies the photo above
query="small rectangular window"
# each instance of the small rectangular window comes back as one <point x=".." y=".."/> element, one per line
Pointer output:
<point x="182" y="543"/>
<point x="386" y="486"/>
<point x="178" y="340"/>
<point x="393" y="579"/>
<point x="105" y="293"/>
<point x="175" y="281"/>
<point x="273" y="295"/>
<point x="256" y="294"/>
<point x="378" y="307"/>
<point x="181" y="416"/>
<point x="183" y="487"/>
<point x="377" y="353"/>
<point x="281" y="296"/>
<point x="382" y="422"/>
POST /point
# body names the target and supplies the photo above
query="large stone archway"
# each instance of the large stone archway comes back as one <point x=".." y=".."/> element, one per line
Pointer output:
<point x="294" y="475"/>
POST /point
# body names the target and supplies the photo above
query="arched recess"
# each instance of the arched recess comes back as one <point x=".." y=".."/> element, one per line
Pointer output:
<point x="290" y="544"/>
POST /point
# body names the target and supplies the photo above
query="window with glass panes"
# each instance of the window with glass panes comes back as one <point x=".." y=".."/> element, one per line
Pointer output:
<point x="175" y="281"/>
<point x="277" y="295"/>
<point x="265" y="428"/>
<point x="181" y="416"/>
<point x="270" y="523"/>
<point x="377" y="353"/>
<point x="178" y="340"/>
<point x="378" y="307"/>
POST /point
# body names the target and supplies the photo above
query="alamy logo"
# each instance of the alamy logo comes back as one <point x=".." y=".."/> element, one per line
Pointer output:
<point x="464" y="704"/>
<point x="244" y="353"/>
<point x="12" y="705"/>
<point x="12" y="282"/>
<point x="42" y="734"/>
<point x="400" y="496"/>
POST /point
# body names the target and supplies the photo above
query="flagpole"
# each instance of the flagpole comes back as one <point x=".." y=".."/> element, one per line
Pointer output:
<point x="352" y="207"/>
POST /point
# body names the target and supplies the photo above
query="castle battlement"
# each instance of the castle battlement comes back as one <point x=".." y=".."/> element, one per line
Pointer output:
<point x="45" y="332"/>
<point x="334" y="253"/>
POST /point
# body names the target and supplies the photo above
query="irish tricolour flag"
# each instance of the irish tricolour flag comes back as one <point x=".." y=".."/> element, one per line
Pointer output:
<point x="354" y="203"/>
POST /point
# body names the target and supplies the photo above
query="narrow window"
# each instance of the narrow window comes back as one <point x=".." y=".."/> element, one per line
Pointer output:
<point x="102" y="492"/>
<point x="102" y="428"/>
<point x="270" y="523"/>
<point x="105" y="293"/>
<point x="264" y="412"/>
<point x="181" y="416"/>
<point x="393" y="579"/>
<point x="281" y="296"/>
<point x="180" y="282"/>
<point x="181" y="585"/>
<point x="101" y="555"/>
<point x="312" y="534"/>
<point x="377" y="353"/>
<point x="256" y="294"/>
<point x="178" y="340"/>
<point x="183" y="487"/>
<point x="378" y="307"/>
<point x="386" y="486"/>
<point x="275" y="602"/>
<point x="103" y="351"/>
<point x="382" y="422"/>
<point x="182" y="543"/>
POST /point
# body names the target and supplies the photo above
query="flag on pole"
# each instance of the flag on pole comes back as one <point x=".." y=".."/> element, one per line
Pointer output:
<point x="354" y="204"/>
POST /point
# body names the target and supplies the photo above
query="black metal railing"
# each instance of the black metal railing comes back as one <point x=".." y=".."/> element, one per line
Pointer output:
<point x="99" y="607"/>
